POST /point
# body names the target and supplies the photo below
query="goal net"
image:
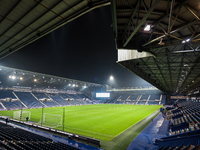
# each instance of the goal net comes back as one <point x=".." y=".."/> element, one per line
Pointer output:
<point x="23" y="114"/>
<point x="51" y="120"/>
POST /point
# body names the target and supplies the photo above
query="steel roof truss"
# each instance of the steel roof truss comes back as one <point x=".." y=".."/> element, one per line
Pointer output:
<point x="162" y="75"/>
<point x="129" y="24"/>
<point x="191" y="69"/>
<point x="150" y="70"/>
<point x="179" y="28"/>
<point x="191" y="11"/>
<point x="127" y="40"/>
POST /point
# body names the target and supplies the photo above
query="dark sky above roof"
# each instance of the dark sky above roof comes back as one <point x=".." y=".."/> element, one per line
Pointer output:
<point x="83" y="49"/>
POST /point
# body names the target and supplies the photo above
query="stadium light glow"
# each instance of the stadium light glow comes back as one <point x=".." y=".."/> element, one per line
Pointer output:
<point x="35" y="80"/>
<point x="10" y="77"/>
<point x="111" y="78"/>
<point x="13" y="77"/>
<point x="73" y="85"/>
<point x="147" y="27"/>
<point x="69" y="84"/>
<point x="21" y="78"/>
<point x="187" y="40"/>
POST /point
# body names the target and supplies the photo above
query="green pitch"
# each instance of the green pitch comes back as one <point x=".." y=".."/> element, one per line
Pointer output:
<point x="103" y="121"/>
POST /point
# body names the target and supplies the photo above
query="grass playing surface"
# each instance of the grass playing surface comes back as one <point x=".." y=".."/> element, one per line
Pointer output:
<point x="103" y="121"/>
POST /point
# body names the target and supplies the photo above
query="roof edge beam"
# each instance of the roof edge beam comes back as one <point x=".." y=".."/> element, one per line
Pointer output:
<point x="114" y="17"/>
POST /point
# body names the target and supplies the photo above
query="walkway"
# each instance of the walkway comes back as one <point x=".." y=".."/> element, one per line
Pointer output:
<point x="156" y="129"/>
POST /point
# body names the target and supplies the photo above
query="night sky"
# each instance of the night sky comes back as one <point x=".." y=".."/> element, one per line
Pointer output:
<point x="83" y="49"/>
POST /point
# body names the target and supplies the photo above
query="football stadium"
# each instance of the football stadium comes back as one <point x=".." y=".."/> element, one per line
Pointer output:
<point x="59" y="99"/>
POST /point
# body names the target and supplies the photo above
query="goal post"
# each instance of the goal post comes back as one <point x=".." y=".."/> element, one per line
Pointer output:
<point x="21" y="115"/>
<point x="51" y="120"/>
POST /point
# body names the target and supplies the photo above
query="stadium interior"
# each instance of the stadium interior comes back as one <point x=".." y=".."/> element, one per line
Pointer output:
<point x="158" y="40"/>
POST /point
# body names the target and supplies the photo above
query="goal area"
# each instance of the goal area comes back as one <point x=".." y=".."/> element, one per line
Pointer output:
<point x="50" y="120"/>
<point x="21" y="115"/>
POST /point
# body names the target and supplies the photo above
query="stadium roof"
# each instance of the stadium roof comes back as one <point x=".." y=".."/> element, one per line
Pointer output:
<point x="22" y="21"/>
<point x="170" y="58"/>
<point x="11" y="77"/>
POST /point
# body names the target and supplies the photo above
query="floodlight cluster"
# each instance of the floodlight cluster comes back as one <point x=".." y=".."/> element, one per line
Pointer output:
<point x="76" y="85"/>
<point x="187" y="40"/>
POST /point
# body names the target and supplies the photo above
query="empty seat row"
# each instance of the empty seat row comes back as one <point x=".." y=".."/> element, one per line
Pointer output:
<point x="15" y="138"/>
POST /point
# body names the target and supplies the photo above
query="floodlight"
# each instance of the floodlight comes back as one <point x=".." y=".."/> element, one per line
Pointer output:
<point x="76" y="85"/>
<point x="147" y="27"/>
<point x="183" y="41"/>
<point x="69" y="84"/>
<point x="111" y="78"/>
<point x="21" y="78"/>
<point x="73" y="85"/>
<point x="10" y="77"/>
<point x="35" y="80"/>
<point x="187" y="40"/>
<point x="13" y="77"/>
